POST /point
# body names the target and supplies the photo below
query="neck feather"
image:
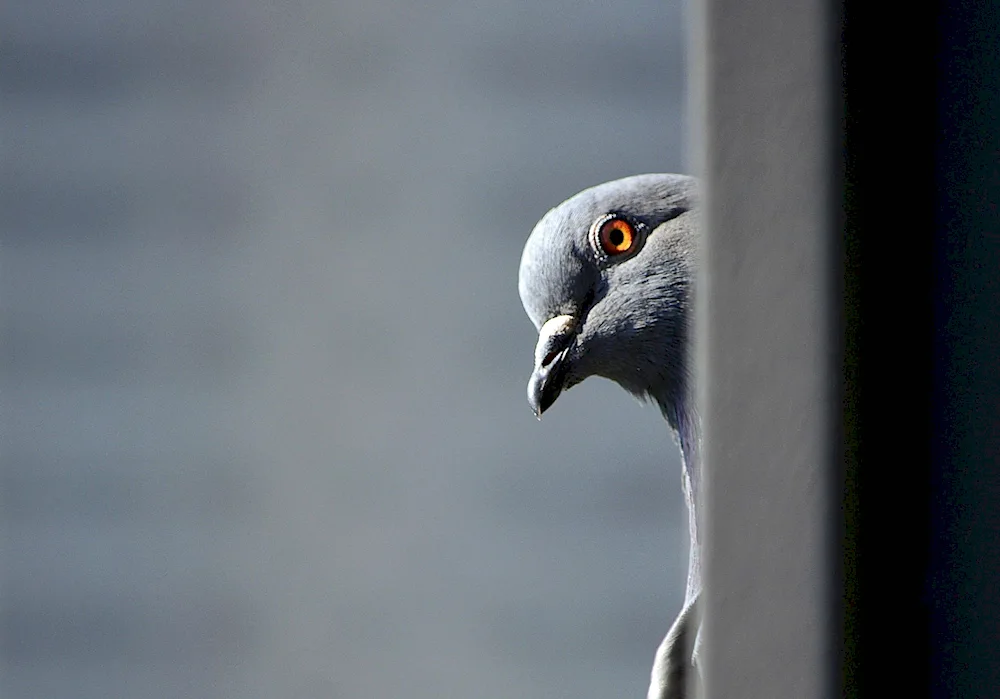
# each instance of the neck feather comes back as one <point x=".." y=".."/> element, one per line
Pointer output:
<point x="685" y="423"/>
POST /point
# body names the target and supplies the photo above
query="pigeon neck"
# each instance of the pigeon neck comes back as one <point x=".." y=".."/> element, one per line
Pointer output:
<point x="685" y="423"/>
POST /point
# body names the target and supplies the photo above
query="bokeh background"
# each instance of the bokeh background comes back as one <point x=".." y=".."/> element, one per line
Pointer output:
<point x="264" y="422"/>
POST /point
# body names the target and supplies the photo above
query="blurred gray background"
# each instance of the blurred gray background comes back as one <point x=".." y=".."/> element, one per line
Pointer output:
<point x="264" y="421"/>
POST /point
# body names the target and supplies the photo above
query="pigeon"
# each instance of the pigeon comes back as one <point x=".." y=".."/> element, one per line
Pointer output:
<point x="607" y="279"/>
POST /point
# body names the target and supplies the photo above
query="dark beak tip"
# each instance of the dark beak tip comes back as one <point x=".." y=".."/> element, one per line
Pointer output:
<point x="534" y="403"/>
<point x="543" y="389"/>
<point x="537" y="410"/>
<point x="548" y="378"/>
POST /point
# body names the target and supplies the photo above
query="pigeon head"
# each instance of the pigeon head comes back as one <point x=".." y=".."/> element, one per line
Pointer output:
<point x="606" y="277"/>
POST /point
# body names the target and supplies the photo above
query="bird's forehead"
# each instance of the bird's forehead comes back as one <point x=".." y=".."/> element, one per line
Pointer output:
<point x="555" y="274"/>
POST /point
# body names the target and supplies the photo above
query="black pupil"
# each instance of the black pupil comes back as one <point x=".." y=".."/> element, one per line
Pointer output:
<point x="616" y="237"/>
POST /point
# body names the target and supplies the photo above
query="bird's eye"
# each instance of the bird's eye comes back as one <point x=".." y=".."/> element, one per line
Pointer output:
<point x="616" y="236"/>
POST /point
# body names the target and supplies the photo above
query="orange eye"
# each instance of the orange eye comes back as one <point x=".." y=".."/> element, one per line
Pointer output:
<point x="616" y="236"/>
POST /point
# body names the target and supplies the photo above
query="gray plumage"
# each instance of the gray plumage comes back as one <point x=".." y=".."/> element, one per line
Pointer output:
<point x="626" y="317"/>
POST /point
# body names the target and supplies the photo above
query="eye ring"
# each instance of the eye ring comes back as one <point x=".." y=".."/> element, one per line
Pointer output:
<point x="614" y="235"/>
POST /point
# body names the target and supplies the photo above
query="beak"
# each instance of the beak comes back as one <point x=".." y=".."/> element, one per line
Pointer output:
<point x="546" y="382"/>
